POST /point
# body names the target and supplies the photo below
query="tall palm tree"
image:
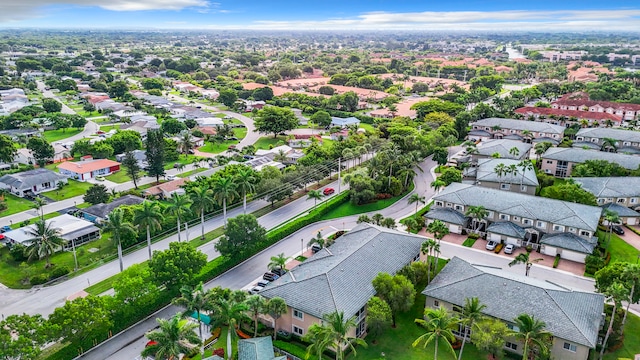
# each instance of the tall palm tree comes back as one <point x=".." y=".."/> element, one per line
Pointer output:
<point x="631" y="272"/>
<point x="245" y="183"/>
<point x="179" y="206"/>
<point x="38" y="204"/>
<point x="612" y="218"/>
<point x="438" y="184"/>
<point x="278" y="262"/>
<point x="417" y="199"/>
<point x="477" y="213"/>
<point x="119" y="228"/>
<point x="201" y="202"/>
<point x="150" y="217"/>
<point x="609" y="144"/>
<point x="173" y="337"/>
<point x="276" y="307"/>
<point x="524" y="258"/>
<point x="256" y="305"/>
<point x="194" y="300"/>
<point x="439" y="324"/>
<point x="427" y="248"/>
<point x="615" y="293"/>
<point x="318" y="341"/>
<point x="533" y="334"/>
<point x="439" y="229"/>
<point x="315" y="195"/>
<point x="229" y="312"/>
<point x="335" y="332"/>
<point x="185" y="142"/>
<point x="514" y="151"/>
<point x="525" y="165"/>
<point x="471" y="314"/>
<point x="224" y="190"/>
<point x="44" y="241"/>
<point x="500" y="170"/>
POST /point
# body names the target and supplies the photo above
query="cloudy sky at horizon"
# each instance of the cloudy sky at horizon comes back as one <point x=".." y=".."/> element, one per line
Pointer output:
<point x="466" y="15"/>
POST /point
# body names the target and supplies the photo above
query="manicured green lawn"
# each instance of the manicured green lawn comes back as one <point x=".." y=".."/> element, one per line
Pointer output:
<point x="57" y="135"/>
<point x="185" y="160"/>
<point x="264" y="143"/>
<point x="85" y="113"/>
<point x="73" y="189"/>
<point x="191" y="172"/>
<point x="619" y="249"/>
<point x="15" y="205"/>
<point x="631" y="345"/>
<point x="349" y="208"/>
<point x="469" y="242"/>
<point x="240" y="133"/>
<point x="217" y="147"/>
<point x="107" y="128"/>
<point x="119" y="177"/>
<point x="367" y="127"/>
<point x="221" y="343"/>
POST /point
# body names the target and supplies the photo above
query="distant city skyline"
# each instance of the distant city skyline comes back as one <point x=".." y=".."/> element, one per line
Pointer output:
<point x="467" y="15"/>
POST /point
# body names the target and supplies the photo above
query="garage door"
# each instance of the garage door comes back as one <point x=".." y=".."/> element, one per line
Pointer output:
<point x="573" y="256"/>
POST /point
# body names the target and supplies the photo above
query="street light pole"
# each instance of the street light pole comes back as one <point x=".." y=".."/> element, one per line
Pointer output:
<point x="301" y="247"/>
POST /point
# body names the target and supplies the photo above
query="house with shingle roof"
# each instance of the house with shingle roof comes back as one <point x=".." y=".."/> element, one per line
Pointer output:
<point x="338" y="278"/>
<point x="623" y="190"/>
<point x="502" y="148"/>
<point x="485" y="174"/>
<point x="627" y="216"/>
<point x="560" y="162"/>
<point x="626" y="141"/>
<point x="498" y="128"/>
<point x="260" y="348"/>
<point x="31" y="182"/>
<point x="99" y="212"/>
<point x="574" y="318"/>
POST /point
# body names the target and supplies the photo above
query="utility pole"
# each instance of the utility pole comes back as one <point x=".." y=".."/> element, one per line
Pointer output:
<point x="339" y="172"/>
<point x="465" y="76"/>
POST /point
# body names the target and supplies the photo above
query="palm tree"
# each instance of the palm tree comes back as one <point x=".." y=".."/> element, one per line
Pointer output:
<point x="229" y="312"/>
<point x="245" y="182"/>
<point x="611" y="217"/>
<point x="256" y="305"/>
<point x="224" y="190"/>
<point x="417" y="199"/>
<point x="315" y="195"/>
<point x="616" y="293"/>
<point x="185" y="142"/>
<point x="119" y="228"/>
<point x="377" y="218"/>
<point x="335" y="332"/>
<point x="173" y="337"/>
<point x="439" y="324"/>
<point x="631" y="272"/>
<point x="317" y="340"/>
<point x="471" y="314"/>
<point x="388" y="223"/>
<point x="439" y="229"/>
<point x="278" y="262"/>
<point x="438" y="184"/>
<point x="524" y="258"/>
<point x="609" y="143"/>
<point x="150" y="217"/>
<point x="477" y="214"/>
<point x="194" y="300"/>
<point x="38" y="204"/>
<point x="44" y="241"/>
<point x="317" y="240"/>
<point x="276" y="307"/>
<point x="201" y="202"/>
<point x="179" y="206"/>
<point x="525" y="165"/>
<point x="427" y="248"/>
<point x="533" y="334"/>
<point x="514" y="151"/>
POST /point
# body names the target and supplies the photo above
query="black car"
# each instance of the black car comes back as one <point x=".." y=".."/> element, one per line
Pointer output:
<point x="269" y="276"/>
<point x="617" y="229"/>
<point x="315" y="248"/>
<point x="279" y="271"/>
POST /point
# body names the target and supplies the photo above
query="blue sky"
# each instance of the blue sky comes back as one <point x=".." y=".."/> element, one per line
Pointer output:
<point x="621" y="15"/>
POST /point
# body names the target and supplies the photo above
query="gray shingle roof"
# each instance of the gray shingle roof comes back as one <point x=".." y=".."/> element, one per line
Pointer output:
<point x="574" y="155"/>
<point x="447" y="215"/>
<point x="533" y="126"/>
<point x="260" y="348"/>
<point x="485" y="171"/>
<point x="622" y="211"/>
<point x="102" y="210"/>
<point x="506" y="228"/>
<point x="545" y="139"/>
<point x="479" y="133"/>
<point x="617" y="134"/>
<point x="569" y="241"/>
<point x="27" y="179"/>
<point x="339" y="278"/>
<point x="587" y="145"/>
<point x="569" y="315"/>
<point x="525" y="206"/>
<point x="502" y="147"/>
<point x="610" y="187"/>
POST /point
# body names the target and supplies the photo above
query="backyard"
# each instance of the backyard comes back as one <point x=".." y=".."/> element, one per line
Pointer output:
<point x="217" y="147"/>
<point x="268" y="142"/>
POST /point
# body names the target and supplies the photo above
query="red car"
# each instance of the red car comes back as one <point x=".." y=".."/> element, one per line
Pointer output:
<point x="328" y="191"/>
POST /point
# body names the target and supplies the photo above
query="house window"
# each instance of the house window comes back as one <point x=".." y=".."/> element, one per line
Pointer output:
<point x="633" y="200"/>
<point x="459" y="207"/>
<point x="457" y="309"/>
<point x="515" y="218"/>
<point x="511" y="346"/>
<point x="298" y="314"/>
<point x="558" y="228"/>
<point x="449" y="205"/>
<point x="490" y="214"/>
<point x="513" y="327"/>
<point x="297" y="330"/>
<point x="436" y="303"/>
<point x="505" y="186"/>
<point x="570" y="347"/>
<point x="527" y="221"/>
<point x="549" y="161"/>
<point x="585" y="233"/>
<point x="621" y="201"/>
<point x="573" y="230"/>
<point x="438" y="203"/>
<point x="416" y="258"/>
<point x="504" y="217"/>
<point x="601" y="200"/>
<point x="523" y="188"/>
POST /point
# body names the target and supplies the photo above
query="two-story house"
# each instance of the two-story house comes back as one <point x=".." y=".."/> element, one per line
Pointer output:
<point x="560" y="162"/>
<point x="618" y="194"/>
<point x="503" y="174"/>
<point x="626" y="141"/>
<point x="580" y="101"/>
<point x="574" y="318"/>
<point x="527" y="131"/>
<point x="502" y="149"/>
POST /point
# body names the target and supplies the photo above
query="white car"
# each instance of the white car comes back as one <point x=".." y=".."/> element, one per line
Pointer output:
<point x="509" y="249"/>
<point x="256" y="289"/>
<point x="171" y="177"/>
<point x="491" y="245"/>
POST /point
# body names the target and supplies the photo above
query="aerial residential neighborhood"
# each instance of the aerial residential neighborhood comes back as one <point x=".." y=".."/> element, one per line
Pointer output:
<point x="286" y="180"/>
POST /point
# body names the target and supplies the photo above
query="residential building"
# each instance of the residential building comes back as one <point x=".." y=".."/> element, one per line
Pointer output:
<point x="503" y="149"/>
<point x="139" y="155"/>
<point x="74" y="231"/>
<point x="164" y="191"/>
<point x="580" y="101"/>
<point x="574" y="318"/>
<point x="32" y="182"/>
<point x="338" y="278"/>
<point x="304" y="141"/>
<point x="626" y="141"/>
<point x="487" y="174"/>
<point x="530" y="217"/>
<point x="260" y="348"/>
<point x="627" y="215"/>
<point x="624" y="191"/>
<point x="555" y="56"/>
<point x="88" y="169"/>
<point x="523" y="130"/>
<point x="560" y="162"/>
<point x="98" y="213"/>
<point x="344" y="122"/>
<point x="562" y="117"/>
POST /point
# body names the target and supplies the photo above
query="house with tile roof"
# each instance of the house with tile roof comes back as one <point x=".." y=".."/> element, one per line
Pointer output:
<point x="560" y="162"/>
<point x="559" y="116"/>
<point x="574" y="318"/>
<point x="486" y="174"/>
<point x="88" y="169"/>
<point x="580" y="101"/>
<point x="165" y="190"/>
<point x="626" y="141"/>
<point x="338" y="277"/>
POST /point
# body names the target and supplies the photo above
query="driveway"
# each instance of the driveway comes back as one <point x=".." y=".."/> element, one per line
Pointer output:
<point x="630" y="237"/>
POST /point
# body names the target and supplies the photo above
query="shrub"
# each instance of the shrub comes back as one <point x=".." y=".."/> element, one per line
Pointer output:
<point x="18" y="253"/>
<point x="38" y="279"/>
<point x="556" y="261"/>
<point x="59" y="272"/>
<point x="215" y="333"/>
<point x="593" y="263"/>
<point x="291" y="349"/>
<point x="474" y="236"/>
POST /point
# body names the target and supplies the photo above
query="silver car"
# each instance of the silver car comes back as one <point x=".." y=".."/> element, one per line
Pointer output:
<point x="509" y="249"/>
<point x="491" y="245"/>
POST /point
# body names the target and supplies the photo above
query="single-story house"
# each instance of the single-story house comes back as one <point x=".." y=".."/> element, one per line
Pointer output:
<point x="88" y="169"/>
<point x="31" y="182"/>
<point x="164" y="191"/>
<point x="338" y="278"/>
<point x="336" y="121"/>
<point x="258" y="163"/>
<point x="574" y="318"/>
<point x="209" y="121"/>
<point x="139" y="155"/>
<point x="74" y="231"/>
<point x="99" y="212"/>
<point x="304" y="141"/>
<point x="343" y="134"/>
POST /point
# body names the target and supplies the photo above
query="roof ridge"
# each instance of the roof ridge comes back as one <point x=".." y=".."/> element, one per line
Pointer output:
<point x="548" y="291"/>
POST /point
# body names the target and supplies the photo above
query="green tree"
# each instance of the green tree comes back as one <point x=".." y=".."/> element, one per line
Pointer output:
<point x="241" y="236"/>
<point x="42" y="151"/>
<point x="611" y="218"/>
<point x="194" y="300"/>
<point x="441" y="155"/>
<point x="119" y="229"/>
<point x="118" y="88"/>
<point x="8" y="150"/>
<point x="315" y="195"/>
<point x="615" y="293"/>
<point x="224" y="189"/>
<point x="148" y="217"/>
<point x="228" y="97"/>
<point x="525" y="258"/>
<point x="378" y="316"/>
<point x="81" y="319"/>
<point x="178" y="265"/>
<point x="51" y="105"/>
<point x="172" y="126"/>
<point x="201" y="202"/>
<point x="397" y="291"/>
<point x="155" y="153"/>
<point x="489" y="335"/>
<point x="439" y="325"/>
<point x="132" y="167"/>
<point x="245" y="183"/>
<point x="125" y="140"/>
<point x="274" y="120"/>
<point x="533" y="334"/>
<point x="23" y="336"/>
<point x="173" y="337"/>
<point x="627" y="274"/>
<point x="439" y="229"/>
<point x="450" y="175"/>
<point x="471" y="314"/>
<point x="231" y="313"/>
<point x="278" y="262"/>
<point x="96" y="194"/>
<point x="322" y="118"/>
<point x="276" y="307"/>
<point x="256" y="305"/>
<point x="179" y="207"/>
<point x="336" y="333"/>
<point x="477" y="214"/>
<point x="44" y="241"/>
<point x="134" y="290"/>
<point x="415" y="198"/>
<point x="569" y="192"/>
<point x="102" y="150"/>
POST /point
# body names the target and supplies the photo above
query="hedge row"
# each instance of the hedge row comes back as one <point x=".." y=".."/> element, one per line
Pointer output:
<point x="292" y="349"/>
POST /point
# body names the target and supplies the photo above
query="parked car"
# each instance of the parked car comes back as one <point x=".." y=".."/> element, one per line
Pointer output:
<point x="328" y="191"/>
<point x="5" y="229"/>
<point x="491" y="245"/>
<point x="176" y="165"/>
<point x="617" y="229"/>
<point x="279" y="271"/>
<point x="263" y="283"/>
<point x="255" y="289"/>
<point x="100" y="178"/>
<point x="315" y="248"/>
<point x="269" y="276"/>
<point x="171" y="177"/>
<point x="509" y="249"/>
<point x="248" y="157"/>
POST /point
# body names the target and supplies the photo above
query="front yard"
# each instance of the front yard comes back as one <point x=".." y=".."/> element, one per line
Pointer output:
<point x="57" y="135"/>
<point x="118" y="177"/>
<point x="72" y="189"/>
<point x="217" y="147"/>
<point x="350" y="208"/>
<point x="15" y="205"/>
<point x="268" y="142"/>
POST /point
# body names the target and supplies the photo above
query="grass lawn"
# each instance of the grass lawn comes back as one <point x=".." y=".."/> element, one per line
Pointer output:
<point x="367" y="127"/>
<point x="218" y="147"/>
<point x="620" y="250"/>
<point x="265" y="142"/>
<point x="631" y="345"/>
<point x="190" y="172"/>
<point x="87" y="114"/>
<point x="118" y="177"/>
<point x="57" y="135"/>
<point x="181" y="160"/>
<point x="221" y="343"/>
<point x="107" y="128"/>
<point x="73" y="189"/>
<point x="240" y="133"/>
<point x="469" y="242"/>
<point x="349" y="208"/>
<point x="15" y="205"/>
<point x="32" y="220"/>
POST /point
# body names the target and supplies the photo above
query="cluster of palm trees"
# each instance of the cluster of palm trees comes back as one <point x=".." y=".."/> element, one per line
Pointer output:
<point x="513" y="169"/>
<point x="440" y="325"/>
<point x="333" y="333"/>
<point x="224" y="307"/>
<point x="378" y="219"/>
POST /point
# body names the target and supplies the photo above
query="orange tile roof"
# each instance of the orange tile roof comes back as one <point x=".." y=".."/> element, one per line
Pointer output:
<point x="83" y="167"/>
<point x="168" y="186"/>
